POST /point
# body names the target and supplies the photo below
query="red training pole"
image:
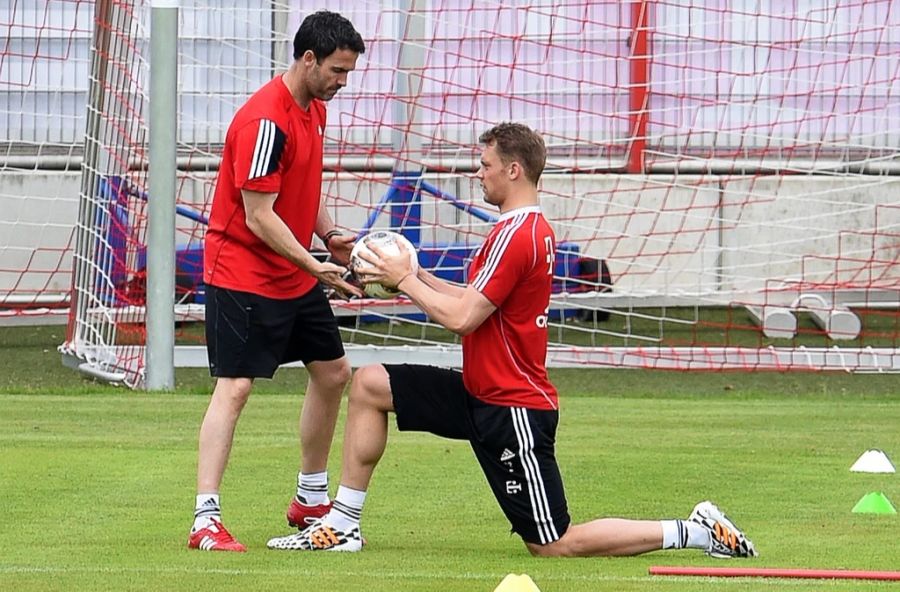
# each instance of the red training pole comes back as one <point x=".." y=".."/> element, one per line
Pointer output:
<point x="639" y="85"/>
<point x="766" y="572"/>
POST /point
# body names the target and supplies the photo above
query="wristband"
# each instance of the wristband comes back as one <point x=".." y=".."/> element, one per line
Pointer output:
<point x="331" y="234"/>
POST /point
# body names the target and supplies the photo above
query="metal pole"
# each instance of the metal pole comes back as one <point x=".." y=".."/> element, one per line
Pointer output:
<point x="282" y="51"/>
<point x="159" y="354"/>
<point x="406" y="136"/>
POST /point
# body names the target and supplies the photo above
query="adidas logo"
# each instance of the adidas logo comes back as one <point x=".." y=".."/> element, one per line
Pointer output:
<point x="507" y="455"/>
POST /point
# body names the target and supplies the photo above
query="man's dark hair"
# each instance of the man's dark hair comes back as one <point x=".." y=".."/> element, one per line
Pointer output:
<point x="518" y="143"/>
<point x="325" y="32"/>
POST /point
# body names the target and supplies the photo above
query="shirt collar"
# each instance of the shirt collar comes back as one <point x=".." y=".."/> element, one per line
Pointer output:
<point x="517" y="211"/>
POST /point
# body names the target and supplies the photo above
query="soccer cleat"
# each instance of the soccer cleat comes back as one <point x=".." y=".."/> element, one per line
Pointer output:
<point x="214" y="537"/>
<point x="726" y="540"/>
<point x="320" y="537"/>
<point x="301" y="516"/>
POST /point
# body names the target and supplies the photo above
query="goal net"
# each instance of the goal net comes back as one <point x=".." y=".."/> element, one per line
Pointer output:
<point x="723" y="178"/>
<point x="44" y="49"/>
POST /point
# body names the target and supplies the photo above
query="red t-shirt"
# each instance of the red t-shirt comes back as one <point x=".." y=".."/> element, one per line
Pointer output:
<point x="272" y="146"/>
<point x="504" y="359"/>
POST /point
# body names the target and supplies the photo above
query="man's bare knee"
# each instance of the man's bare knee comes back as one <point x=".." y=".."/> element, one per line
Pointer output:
<point x="558" y="548"/>
<point x="233" y="391"/>
<point x="332" y="375"/>
<point x="372" y="387"/>
<point x="342" y="373"/>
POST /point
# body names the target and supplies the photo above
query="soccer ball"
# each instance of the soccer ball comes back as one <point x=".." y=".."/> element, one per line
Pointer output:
<point x="389" y="242"/>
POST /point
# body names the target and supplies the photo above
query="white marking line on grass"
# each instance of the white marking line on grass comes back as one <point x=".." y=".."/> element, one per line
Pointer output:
<point x="389" y="575"/>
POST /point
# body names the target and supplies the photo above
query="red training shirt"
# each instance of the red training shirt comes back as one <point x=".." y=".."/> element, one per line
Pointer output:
<point x="272" y="146"/>
<point x="504" y="359"/>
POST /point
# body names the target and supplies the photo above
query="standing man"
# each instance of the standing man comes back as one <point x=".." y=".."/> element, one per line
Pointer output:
<point x="265" y="304"/>
<point x="502" y="402"/>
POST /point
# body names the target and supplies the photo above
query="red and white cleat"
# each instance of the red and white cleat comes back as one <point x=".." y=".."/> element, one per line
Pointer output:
<point x="301" y="516"/>
<point x="214" y="537"/>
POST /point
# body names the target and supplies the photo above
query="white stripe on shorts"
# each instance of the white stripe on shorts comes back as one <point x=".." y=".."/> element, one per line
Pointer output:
<point x="540" y="507"/>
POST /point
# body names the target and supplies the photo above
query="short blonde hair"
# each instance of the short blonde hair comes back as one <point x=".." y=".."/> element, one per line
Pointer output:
<point x="516" y="142"/>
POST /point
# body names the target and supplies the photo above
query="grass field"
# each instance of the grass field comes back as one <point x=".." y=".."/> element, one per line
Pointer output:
<point x="97" y="483"/>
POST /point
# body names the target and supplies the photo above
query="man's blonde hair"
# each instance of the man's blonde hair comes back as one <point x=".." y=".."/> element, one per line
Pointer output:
<point x="518" y="143"/>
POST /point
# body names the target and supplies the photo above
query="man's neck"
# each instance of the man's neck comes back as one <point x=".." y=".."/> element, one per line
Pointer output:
<point x="293" y="80"/>
<point x="519" y="199"/>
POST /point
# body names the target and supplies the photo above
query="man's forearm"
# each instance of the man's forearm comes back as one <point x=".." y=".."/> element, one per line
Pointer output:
<point x="324" y="222"/>
<point x="441" y="308"/>
<point x="439" y="285"/>
<point x="275" y="233"/>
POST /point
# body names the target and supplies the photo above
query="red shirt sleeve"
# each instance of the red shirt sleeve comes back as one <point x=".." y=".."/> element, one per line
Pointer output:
<point x="506" y="260"/>
<point x="258" y="148"/>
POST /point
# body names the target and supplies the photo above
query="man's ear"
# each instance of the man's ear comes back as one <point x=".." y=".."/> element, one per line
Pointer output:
<point x="515" y="169"/>
<point x="309" y="58"/>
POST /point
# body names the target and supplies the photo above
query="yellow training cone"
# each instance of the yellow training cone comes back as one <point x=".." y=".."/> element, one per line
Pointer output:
<point x="514" y="583"/>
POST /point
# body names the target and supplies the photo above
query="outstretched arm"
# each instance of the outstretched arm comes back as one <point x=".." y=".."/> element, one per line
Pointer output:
<point x="439" y="285"/>
<point x="271" y="229"/>
<point x="460" y="314"/>
<point x="459" y="309"/>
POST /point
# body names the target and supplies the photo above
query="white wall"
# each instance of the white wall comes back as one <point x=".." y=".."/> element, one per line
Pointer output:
<point x="681" y="235"/>
<point x="37" y="217"/>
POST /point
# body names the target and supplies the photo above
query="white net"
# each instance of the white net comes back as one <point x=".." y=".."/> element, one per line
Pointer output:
<point x="723" y="178"/>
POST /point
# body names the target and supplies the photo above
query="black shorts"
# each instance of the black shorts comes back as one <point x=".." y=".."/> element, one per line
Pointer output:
<point x="249" y="336"/>
<point x="514" y="445"/>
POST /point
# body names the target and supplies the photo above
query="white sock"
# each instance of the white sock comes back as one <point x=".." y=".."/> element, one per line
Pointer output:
<point x="205" y="510"/>
<point x="312" y="488"/>
<point x="347" y="508"/>
<point x="697" y="535"/>
<point x="684" y="534"/>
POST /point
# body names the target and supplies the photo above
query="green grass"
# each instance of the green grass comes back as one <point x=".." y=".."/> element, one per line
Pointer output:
<point x="97" y="483"/>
